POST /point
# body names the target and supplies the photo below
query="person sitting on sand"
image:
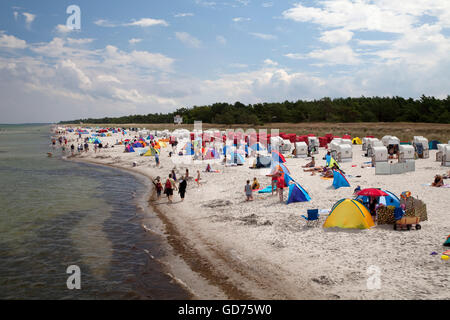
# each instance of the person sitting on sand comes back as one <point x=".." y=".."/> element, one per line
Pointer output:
<point x="208" y="168"/>
<point x="438" y="181"/>
<point x="328" y="173"/>
<point x="255" y="184"/>
<point x="248" y="191"/>
<point x="311" y="164"/>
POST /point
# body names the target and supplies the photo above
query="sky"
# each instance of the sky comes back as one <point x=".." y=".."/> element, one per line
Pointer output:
<point x="141" y="56"/>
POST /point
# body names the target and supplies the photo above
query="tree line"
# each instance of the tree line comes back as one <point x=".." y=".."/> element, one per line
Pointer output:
<point x="363" y="109"/>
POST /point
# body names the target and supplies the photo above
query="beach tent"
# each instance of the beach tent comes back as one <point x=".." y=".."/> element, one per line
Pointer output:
<point x="263" y="161"/>
<point x="447" y="242"/>
<point x="356" y="140"/>
<point x="151" y="152"/>
<point x="330" y="161"/>
<point x="236" y="158"/>
<point x="339" y="180"/>
<point x="297" y="193"/>
<point x="278" y="167"/>
<point x="141" y="151"/>
<point x="138" y="145"/>
<point x="129" y="148"/>
<point x="348" y="213"/>
<point x="97" y="141"/>
<point x="278" y="157"/>
<point x="389" y="200"/>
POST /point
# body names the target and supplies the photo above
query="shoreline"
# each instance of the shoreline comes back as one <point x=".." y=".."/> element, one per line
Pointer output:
<point x="190" y="256"/>
<point x="218" y="267"/>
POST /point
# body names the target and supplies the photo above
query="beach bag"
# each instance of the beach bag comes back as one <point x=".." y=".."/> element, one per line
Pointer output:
<point x="168" y="184"/>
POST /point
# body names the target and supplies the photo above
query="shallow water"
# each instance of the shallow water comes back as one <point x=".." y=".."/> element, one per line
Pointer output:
<point x="56" y="213"/>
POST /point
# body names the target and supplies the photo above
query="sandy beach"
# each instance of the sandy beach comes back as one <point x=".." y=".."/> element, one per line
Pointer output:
<point x="225" y="247"/>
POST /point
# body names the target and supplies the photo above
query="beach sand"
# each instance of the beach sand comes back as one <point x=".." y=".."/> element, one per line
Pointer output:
<point x="263" y="249"/>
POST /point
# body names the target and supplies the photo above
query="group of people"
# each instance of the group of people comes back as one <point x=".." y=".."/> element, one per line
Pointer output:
<point x="170" y="185"/>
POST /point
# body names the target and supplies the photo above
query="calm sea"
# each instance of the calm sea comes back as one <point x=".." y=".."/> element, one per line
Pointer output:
<point x="56" y="213"/>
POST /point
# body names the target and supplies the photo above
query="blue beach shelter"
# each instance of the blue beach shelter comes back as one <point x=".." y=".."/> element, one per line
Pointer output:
<point x="339" y="180"/>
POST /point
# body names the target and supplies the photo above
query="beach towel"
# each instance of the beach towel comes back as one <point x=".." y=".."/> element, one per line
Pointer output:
<point x="267" y="189"/>
<point x="443" y="186"/>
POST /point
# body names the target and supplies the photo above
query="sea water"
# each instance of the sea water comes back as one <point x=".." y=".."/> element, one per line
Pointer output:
<point x="56" y="213"/>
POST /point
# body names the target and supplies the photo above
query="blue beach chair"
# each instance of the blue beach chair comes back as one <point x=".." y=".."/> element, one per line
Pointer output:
<point x="313" y="217"/>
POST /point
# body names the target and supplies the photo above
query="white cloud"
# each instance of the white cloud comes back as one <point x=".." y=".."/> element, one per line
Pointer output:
<point x="338" y="55"/>
<point x="62" y="29"/>
<point x="11" y="42"/>
<point x="134" y="41"/>
<point x="240" y="19"/>
<point x="29" y="18"/>
<point x="221" y="39"/>
<point x="263" y="36"/>
<point x="148" y="22"/>
<point x="267" y="4"/>
<point x="16" y="15"/>
<point x="144" y="22"/>
<point x="184" y="14"/>
<point x="79" y="41"/>
<point x="295" y="56"/>
<point x="337" y="36"/>
<point x="188" y="40"/>
<point x="270" y="62"/>
<point x="104" y="23"/>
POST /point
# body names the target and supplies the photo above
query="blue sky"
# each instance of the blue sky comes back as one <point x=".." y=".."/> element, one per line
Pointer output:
<point x="155" y="56"/>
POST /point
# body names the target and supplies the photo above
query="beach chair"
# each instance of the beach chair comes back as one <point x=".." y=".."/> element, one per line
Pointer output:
<point x="312" y="219"/>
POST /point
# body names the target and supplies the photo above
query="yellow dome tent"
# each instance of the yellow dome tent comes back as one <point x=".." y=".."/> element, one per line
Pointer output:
<point x="356" y="140"/>
<point x="348" y="213"/>
<point x="151" y="152"/>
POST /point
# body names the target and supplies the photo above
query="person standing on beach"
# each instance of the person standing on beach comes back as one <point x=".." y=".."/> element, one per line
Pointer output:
<point x="95" y="148"/>
<point x="198" y="178"/>
<point x="86" y="147"/>
<point x="158" y="187"/>
<point x="174" y="176"/>
<point x="72" y="149"/>
<point x="157" y="159"/>
<point x="182" y="188"/>
<point x="280" y="185"/>
<point x="248" y="191"/>
<point x="169" y="187"/>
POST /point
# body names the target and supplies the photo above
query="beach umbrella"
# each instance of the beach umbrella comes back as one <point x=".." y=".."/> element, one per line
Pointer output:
<point x="372" y="192"/>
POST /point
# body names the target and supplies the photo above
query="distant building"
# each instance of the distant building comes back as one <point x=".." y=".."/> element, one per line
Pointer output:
<point x="178" y="119"/>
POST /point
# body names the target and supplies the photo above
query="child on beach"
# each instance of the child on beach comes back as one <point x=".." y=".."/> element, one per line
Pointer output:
<point x="198" y="178"/>
<point x="248" y="191"/>
<point x="158" y="186"/>
<point x="280" y="186"/>
<point x="255" y="184"/>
